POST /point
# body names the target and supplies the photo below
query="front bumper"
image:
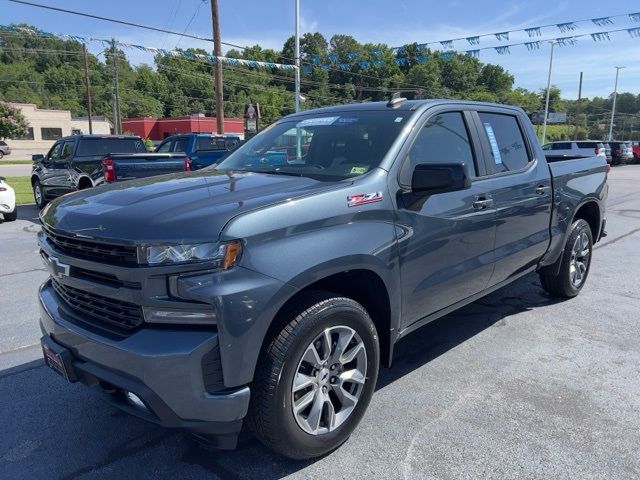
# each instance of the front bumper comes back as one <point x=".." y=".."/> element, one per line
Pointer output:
<point x="161" y="365"/>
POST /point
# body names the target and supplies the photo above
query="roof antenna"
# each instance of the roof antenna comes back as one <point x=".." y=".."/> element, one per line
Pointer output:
<point x="396" y="100"/>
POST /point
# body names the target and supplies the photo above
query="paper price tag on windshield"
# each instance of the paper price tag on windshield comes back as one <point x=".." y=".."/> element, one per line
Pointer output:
<point x="316" y="122"/>
<point x="494" y="143"/>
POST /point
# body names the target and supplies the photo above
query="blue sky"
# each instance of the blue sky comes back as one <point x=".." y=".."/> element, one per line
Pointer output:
<point x="269" y="23"/>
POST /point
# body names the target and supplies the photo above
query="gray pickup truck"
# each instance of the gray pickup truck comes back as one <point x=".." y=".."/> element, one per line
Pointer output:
<point x="79" y="162"/>
<point x="271" y="287"/>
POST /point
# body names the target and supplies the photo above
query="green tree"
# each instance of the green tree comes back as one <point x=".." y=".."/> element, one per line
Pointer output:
<point x="12" y="122"/>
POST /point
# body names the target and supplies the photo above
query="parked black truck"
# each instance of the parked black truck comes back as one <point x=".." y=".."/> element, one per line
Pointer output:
<point x="78" y="162"/>
<point x="272" y="291"/>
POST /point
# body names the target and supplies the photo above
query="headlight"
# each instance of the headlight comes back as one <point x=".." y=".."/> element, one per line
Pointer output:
<point x="223" y="255"/>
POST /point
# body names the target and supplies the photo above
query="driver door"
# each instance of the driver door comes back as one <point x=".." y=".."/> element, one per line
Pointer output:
<point x="446" y="244"/>
<point x="56" y="179"/>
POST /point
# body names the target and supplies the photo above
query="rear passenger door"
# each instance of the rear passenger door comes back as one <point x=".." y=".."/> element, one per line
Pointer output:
<point x="520" y="186"/>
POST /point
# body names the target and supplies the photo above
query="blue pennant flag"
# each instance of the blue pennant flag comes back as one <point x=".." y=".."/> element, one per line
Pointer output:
<point x="398" y="50"/>
<point x="502" y="36"/>
<point x="325" y="66"/>
<point x="566" y="41"/>
<point x="363" y="64"/>
<point x="600" y="36"/>
<point x="634" y="17"/>
<point x="473" y="40"/>
<point x="421" y="46"/>
<point x="533" y="45"/>
<point x="376" y="52"/>
<point x="602" y="21"/>
<point x="473" y="53"/>
<point x="567" y="27"/>
<point x="447" y="44"/>
<point x="345" y="66"/>
<point x="503" y="50"/>
<point x="307" y="68"/>
<point x="401" y="61"/>
<point x="533" y="32"/>
<point x="422" y="58"/>
<point x="378" y="62"/>
<point x="352" y="55"/>
<point x="634" y="32"/>
<point x="446" y="55"/>
<point x="333" y="57"/>
<point x="315" y="59"/>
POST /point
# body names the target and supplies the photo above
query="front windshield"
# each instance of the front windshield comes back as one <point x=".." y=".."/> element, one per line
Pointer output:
<point x="325" y="147"/>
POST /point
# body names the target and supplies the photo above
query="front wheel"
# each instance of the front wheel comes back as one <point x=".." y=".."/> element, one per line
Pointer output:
<point x="38" y="195"/>
<point x="315" y="379"/>
<point x="575" y="263"/>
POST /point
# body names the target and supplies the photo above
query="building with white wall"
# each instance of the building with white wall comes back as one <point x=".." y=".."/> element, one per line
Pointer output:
<point x="46" y="126"/>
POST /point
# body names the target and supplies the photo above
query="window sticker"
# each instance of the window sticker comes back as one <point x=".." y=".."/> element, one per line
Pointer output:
<point x="398" y="119"/>
<point x="347" y="120"/>
<point x="317" y="122"/>
<point x="494" y="143"/>
<point x="359" y="170"/>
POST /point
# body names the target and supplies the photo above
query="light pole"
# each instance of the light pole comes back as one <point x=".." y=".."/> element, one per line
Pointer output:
<point x="297" y="55"/>
<point x="613" y="108"/>
<point x="546" y="106"/>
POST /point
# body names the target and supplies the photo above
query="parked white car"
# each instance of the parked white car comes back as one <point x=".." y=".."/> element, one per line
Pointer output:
<point x="8" y="207"/>
<point x="586" y="148"/>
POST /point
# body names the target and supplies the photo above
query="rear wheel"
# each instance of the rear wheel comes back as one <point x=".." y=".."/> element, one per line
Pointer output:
<point x="314" y="381"/>
<point x="38" y="194"/>
<point x="1" y="154"/>
<point x="575" y="263"/>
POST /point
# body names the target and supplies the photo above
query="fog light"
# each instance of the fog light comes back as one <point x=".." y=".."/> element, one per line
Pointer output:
<point x="156" y="315"/>
<point x="135" y="400"/>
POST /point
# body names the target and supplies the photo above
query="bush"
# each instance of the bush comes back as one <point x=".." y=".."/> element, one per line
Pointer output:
<point x="12" y="123"/>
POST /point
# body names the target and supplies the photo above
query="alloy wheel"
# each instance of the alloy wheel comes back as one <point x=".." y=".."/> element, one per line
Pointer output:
<point x="329" y="380"/>
<point x="579" y="265"/>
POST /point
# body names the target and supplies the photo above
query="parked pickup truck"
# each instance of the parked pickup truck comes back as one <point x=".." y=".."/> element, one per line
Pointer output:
<point x="202" y="149"/>
<point x="78" y="162"/>
<point x="273" y="293"/>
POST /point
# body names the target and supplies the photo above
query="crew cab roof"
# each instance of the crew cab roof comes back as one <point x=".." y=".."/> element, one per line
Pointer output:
<point x="408" y="105"/>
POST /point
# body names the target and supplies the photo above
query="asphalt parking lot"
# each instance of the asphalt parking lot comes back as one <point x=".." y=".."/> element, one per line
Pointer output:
<point x="516" y="385"/>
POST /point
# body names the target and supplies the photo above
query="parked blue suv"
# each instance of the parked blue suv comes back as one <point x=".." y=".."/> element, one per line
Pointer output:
<point x="202" y="148"/>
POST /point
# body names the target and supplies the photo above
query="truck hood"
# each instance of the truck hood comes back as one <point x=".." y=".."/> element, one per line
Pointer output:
<point x="181" y="207"/>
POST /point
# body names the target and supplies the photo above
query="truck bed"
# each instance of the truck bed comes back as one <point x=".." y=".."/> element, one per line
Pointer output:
<point x="142" y="165"/>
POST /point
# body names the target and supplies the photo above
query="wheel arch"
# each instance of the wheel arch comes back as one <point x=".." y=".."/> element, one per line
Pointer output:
<point x="363" y="285"/>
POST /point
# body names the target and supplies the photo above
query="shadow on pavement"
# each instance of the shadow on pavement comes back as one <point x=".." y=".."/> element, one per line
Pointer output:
<point x="29" y="213"/>
<point x="57" y="430"/>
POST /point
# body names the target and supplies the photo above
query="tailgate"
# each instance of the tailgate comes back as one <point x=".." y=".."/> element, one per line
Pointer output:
<point x="147" y="165"/>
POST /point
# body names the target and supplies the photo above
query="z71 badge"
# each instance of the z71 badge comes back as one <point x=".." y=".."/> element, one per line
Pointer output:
<point x="364" y="198"/>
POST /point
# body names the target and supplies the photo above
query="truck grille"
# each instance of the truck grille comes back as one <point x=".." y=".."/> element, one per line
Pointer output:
<point x="92" y="249"/>
<point x="99" y="309"/>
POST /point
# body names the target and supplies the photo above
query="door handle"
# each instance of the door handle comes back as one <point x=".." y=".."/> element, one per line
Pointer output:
<point x="542" y="189"/>
<point x="482" y="202"/>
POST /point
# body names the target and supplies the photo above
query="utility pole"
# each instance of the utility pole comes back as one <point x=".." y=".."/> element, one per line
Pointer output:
<point x="116" y="90"/>
<point x="546" y="107"/>
<point x="297" y="54"/>
<point x="217" y="51"/>
<point x="613" y="108"/>
<point x="575" y="133"/>
<point x="88" y="86"/>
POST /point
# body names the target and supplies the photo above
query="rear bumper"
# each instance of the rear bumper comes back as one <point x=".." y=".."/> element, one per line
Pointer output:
<point x="161" y="366"/>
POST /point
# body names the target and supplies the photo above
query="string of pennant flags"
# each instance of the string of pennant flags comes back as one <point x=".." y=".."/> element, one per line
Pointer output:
<point x="154" y="50"/>
<point x="334" y="61"/>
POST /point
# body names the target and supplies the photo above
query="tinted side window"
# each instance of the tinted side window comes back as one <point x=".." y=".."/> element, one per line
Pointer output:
<point x="561" y="146"/>
<point x="54" y="153"/>
<point x="180" y="145"/>
<point x="67" y="150"/>
<point x="165" y="147"/>
<point x="508" y="147"/>
<point x="444" y="139"/>
<point x="587" y="144"/>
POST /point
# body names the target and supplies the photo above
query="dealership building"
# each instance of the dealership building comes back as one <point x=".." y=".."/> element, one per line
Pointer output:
<point x="46" y="126"/>
<point x="161" y="128"/>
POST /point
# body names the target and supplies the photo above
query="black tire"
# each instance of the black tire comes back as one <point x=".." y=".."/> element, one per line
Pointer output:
<point x="1" y="154"/>
<point x="11" y="217"/>
<point x="563" y="285"/>
<point x="39" y="198"/>
<point x="271" y="414"/>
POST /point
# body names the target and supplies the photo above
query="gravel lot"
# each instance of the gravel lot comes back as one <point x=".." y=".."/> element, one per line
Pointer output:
<point x="516" y="385"/>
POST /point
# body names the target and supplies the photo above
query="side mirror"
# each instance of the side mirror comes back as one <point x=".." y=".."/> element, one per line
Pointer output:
<point x="37" y="157"/>
<point x="430" y="178"/>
